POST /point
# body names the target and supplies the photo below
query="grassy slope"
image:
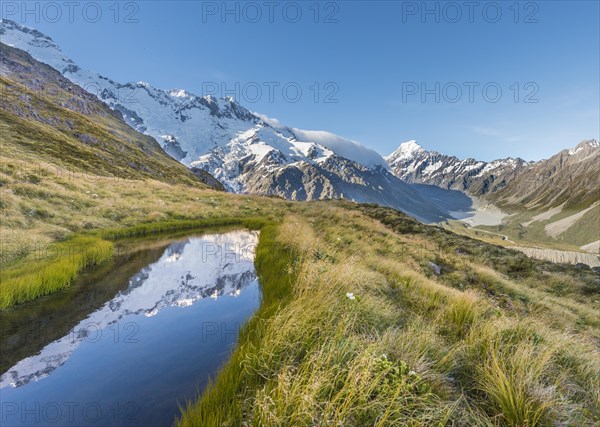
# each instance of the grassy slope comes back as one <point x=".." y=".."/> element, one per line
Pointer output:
<point x="585" y="230"/>
<point x="495" y="339"/>
<point x="495" y="235"/>
<point x="116" y="150"/>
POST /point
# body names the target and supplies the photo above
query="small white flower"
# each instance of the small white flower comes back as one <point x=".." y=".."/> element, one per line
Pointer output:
<point x="350" y="296"/>
<point x="412" y="373"/>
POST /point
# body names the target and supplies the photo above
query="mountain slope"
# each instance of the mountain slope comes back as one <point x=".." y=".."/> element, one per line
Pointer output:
<point x="549" y="201"/>
<point x="47" y="118"/>
<point x="411" y="163"/>
<point x="570" y="178"/>
<point x="557" y="198"/>
<point x="245" y="151"/>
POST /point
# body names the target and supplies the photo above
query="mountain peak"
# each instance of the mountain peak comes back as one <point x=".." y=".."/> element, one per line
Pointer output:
<point x="7" y="24"/>
<point x="410" y="146"/>
<point x="586" y="146"/>
<point x="591" y="142"/>
<point x="37" y="44"/>
<point x="406" y="150"/>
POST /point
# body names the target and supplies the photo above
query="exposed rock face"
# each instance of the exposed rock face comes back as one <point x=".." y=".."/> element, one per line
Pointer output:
<point x="245" y="151"/>
<point x="570" y="178"/>
<point x="413" y="164"/>
<point x="56" y="120"/>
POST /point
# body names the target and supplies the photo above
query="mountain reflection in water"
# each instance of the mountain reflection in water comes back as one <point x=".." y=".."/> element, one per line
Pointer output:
<point x="188" y="271"/>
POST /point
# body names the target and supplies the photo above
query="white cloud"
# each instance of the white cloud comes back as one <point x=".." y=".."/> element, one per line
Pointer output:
<point x="271" y="121"/>
<point x="343" y="147"/>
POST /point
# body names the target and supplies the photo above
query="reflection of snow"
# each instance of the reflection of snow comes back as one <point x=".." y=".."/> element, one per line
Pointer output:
<point x="190" y="270"/>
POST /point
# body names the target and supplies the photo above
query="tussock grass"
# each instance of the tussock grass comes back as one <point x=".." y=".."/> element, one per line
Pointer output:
<point x="462" y="312"/>
<point x="54" y="272"/>
<point x="509" y="377"/>
<point x="177" y="225"/>
<point x="493" y="339"/>
<point x="407" y="350"/>
<point x="221" y="401"/>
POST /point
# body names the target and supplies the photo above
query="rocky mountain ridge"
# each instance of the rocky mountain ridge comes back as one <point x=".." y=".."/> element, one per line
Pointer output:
<point x="413" y="164"/>
<point x="247" y="152"/>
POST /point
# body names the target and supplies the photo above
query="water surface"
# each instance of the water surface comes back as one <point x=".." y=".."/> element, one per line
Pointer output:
<point x="133" y="341"/>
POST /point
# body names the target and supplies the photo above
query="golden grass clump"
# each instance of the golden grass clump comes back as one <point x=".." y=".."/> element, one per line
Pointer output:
<point x="355" y="327"/>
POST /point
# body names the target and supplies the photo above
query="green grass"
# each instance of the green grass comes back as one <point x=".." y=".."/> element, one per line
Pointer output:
<point x="51" y="271"/>
<point x="177" y="225"/>
<point x="506" y="379"/>
<point x="408" y="349"/>
<point x="54" y="268"/>
<point x="514" y="264"/>
<point x="222" y="400"/>
<point x="584" y="231"/>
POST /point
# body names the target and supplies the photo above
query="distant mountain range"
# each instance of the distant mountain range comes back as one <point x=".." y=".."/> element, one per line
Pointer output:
<point x="250" y="153"/>
<point x="570" y="178"/>
<point x="557" y="199"/>
<point x="247" y="152"/>
<point x="411" y="163"/>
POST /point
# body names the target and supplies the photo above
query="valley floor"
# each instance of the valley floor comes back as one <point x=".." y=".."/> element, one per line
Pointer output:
<point x="368" y="317"/>
<point x="480" y="213"/>
<point x="489" y="224"/>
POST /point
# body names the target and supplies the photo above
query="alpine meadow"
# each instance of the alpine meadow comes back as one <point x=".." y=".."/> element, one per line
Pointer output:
<point x="181" y="257"/>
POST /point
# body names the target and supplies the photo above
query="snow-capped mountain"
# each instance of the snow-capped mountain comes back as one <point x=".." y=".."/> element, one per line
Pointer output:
<point x="246" y="151"/>
<point x="570" y="177"/>
<point x="559" y="193"/>
<point x="210" y="266"/>
<point x="413" y="164"/>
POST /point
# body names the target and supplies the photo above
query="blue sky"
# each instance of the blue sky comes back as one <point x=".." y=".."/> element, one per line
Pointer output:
<point x="383" y="62"/>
